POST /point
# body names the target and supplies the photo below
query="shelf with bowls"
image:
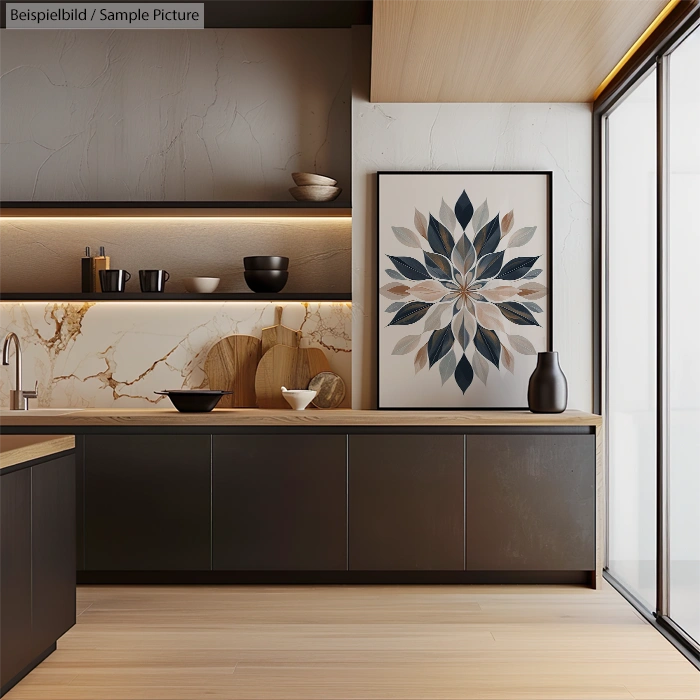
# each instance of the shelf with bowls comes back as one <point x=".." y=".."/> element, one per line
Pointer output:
<point x="175" y="209"/>
<point x="165" y="296"/>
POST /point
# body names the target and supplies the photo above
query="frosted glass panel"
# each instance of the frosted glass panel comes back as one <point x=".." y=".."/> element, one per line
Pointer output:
<point x="632" y="341"/>
<point x="684" y="341"/>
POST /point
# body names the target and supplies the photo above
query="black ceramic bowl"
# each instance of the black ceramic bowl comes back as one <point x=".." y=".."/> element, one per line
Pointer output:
<point x="266" y="281"/>
<point x="266" y="262"/>
<point x="194" y="400"/>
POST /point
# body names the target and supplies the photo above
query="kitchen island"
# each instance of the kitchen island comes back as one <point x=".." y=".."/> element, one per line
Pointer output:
<point x="246" y="495"/>
<point x="37" y="550"/>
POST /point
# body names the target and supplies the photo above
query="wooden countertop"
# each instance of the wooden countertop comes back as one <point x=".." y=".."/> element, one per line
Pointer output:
<point x="287" y="418"/>
<point x="15" y="449"/>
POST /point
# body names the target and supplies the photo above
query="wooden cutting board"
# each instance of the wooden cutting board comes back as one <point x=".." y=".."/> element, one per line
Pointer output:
<point x="230" y="366"/>
<point x="279" y="334"/>
<point x="286" y="366"/>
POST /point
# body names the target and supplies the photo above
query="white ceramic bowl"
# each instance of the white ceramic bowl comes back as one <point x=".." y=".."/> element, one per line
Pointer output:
<point x="298" y="399"/>
<point x="315" y="193"/>
<point x="312" y="179"/>
<point x="201" y="285"/>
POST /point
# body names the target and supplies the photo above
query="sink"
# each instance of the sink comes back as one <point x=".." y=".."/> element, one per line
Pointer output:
<point x="39" y="412"/>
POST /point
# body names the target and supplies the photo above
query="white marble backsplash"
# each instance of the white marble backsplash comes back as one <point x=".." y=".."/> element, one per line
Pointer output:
<point x="116" y="354"/>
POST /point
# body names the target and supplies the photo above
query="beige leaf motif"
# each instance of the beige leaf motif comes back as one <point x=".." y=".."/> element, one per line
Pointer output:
<point x="406" y="236"/>
<point x="522" y="236"/>
<point x="489" y="316"/>
<point x="532" y="291"/>
<point x="507" y="223"/>
<point x="392" y="290"/>
<point x="420" y="359"/>
<point x="406" y="344"/>
<point x="498" y="293"/>
<point x="507" y="359"/>
<point x="421" y="224"/>
<point x="481" y="367"/>
<point x="433" y="320"/>
<point x="430" y="290"/>
<point x="522" y="345"/>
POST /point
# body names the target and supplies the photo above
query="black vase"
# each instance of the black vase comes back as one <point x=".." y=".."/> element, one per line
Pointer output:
<point x="547" y="391"/>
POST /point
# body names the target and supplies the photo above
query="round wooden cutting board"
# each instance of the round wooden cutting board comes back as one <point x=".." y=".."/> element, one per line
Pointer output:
<point x="230" y="366"/>
<point x="329" y="388"/>
<point x="282" y="366"/>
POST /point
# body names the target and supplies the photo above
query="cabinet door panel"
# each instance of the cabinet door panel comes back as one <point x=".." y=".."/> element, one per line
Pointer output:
<point x="530" y="502"/>
<point x="406" y="502"/>
<point x="147" y="502"/>
<point x="53" y="551"/>
<point x="15" y="573"/>
<point x="279" y="502"/>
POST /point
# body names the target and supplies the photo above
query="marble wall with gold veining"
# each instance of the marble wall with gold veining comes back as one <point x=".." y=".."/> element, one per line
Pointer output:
<point x="117" y="354"/>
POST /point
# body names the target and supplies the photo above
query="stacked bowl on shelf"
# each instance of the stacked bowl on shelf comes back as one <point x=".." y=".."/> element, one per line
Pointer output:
<point x="266" y="274"/>
<point x="314" y="188"/>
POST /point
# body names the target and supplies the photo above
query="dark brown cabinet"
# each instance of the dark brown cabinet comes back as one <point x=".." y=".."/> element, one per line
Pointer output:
<point x="406" y="502"/>
<point x="147" y="502"/>
<point x="530" y="502"/>
<point x="15" y="573"/>
<point x="53" y="551"/>
<point x="37" y="562"/>
<point x="279" y="502"/>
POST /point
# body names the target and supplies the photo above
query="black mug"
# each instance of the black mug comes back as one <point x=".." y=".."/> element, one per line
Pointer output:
<point x="114" y="280"/>
<point x="153" y="280"/>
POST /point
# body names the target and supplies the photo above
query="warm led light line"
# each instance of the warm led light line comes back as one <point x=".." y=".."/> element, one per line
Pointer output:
<point x="174" y="218"/>
<point x="633" y="49"/>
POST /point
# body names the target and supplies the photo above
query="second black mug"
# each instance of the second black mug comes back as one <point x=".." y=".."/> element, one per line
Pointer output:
<point x="114" y="280"/>
<point x="153" y="280"/>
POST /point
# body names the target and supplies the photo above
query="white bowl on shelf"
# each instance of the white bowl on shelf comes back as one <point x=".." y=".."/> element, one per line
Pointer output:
<point x="201" y="285"/>
<point x="315" y="193"/>
<point x="303" y="179"/>
<point x="298" y="399"/>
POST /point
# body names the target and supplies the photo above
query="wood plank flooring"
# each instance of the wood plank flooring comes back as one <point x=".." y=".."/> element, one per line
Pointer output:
<point x="467" y="642"/>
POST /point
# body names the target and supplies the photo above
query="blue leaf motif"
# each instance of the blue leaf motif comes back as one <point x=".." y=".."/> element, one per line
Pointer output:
<point x="488" y="238"/>
<point x="516" y="268"/>
<point x="464" y="374"/>
<point x="440" y="344"/>
<point x="532" y="274"/>
<point x="438" y="266"/>
<point x="409" y="267"/>
<point x="535" y="308"/>
<point x="410" y="313"/>
<point x="393" y="308"/>
<point x="517" y="313"/>
<point x="488" y="344"/>
<point x="464" y="210"/>
<point x="440" y="238"/>
<point x="394" y="274"/>
<point x="489" y="265"/>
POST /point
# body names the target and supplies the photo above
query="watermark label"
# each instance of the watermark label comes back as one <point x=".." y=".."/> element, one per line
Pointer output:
<point x="121" y="15"/>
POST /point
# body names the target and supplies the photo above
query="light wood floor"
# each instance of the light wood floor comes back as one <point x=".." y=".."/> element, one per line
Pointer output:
<point x="186" y="643"/>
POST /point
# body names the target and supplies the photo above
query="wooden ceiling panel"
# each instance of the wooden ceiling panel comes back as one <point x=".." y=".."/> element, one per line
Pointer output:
<point x="501" y="50"/>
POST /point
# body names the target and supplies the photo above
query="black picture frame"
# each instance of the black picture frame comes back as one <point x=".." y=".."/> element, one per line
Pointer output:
<point x="549" y="267"/>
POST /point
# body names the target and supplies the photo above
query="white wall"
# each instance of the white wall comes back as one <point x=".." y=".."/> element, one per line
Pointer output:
<point x="553" y="137"/>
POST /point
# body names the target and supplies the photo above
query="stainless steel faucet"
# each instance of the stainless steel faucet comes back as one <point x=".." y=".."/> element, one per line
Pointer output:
<point x="18" y="397"/>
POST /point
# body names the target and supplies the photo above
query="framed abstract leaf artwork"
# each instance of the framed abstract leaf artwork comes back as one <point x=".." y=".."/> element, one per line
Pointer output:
<point x="464" y="287"/>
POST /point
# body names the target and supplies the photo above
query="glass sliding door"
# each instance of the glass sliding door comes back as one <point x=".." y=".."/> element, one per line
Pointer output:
<point x="631" y="333"/>
<point x="684" y="336"/>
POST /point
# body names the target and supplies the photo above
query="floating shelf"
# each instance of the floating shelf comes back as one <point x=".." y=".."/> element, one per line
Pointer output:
<point x="139" y="296"/>
<point x="174" y="209"/>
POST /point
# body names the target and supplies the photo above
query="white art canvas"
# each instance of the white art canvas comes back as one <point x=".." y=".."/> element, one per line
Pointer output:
<point x="464" y="287"/>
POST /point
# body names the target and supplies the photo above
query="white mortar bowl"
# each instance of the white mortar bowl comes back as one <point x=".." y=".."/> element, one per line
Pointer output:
<point x="298" y="399"/>
<point x="201" y="285"/>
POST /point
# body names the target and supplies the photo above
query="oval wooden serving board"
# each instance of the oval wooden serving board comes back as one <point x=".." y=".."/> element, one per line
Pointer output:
<point x="282" y="366"/>
<point x="230" y="366"/>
